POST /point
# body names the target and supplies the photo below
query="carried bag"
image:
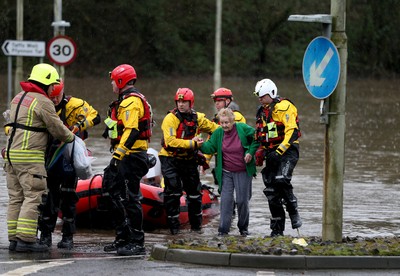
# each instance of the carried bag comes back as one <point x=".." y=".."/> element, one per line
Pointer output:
<point x="77" y="153"/>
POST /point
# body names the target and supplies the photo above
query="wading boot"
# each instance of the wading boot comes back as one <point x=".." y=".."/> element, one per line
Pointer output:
<point x="45" y="238"/>
<point x="12" y="246"/>
<point x="23" y="246"/>
<point x="114" y="245"/>
<point x="66" y="242"/>
<point x="296" y="221"/>
<point x="277" y="226"/>
<point x="131" y="249"/>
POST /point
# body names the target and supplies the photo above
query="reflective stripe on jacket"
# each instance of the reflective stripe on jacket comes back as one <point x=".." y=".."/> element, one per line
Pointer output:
<point x="37" y="111"/>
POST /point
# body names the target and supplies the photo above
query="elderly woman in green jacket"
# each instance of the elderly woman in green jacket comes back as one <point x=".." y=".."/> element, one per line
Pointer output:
<point x="235" y="147"/>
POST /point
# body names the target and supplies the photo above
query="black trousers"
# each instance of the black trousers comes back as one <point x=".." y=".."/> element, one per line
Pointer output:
<point x="181" y="175"/>
<point x="278" y="187"/>
<point x="61" y="184"/>
<point x="127" y="197"/>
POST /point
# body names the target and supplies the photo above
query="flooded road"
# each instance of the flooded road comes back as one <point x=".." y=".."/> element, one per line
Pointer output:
<point x="372" y="178"/>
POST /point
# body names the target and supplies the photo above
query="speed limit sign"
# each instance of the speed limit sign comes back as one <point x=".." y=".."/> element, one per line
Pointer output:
<point x="61" y="50"/>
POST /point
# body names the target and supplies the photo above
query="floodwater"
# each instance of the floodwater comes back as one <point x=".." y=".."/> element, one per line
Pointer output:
<point x="372" y="178"/>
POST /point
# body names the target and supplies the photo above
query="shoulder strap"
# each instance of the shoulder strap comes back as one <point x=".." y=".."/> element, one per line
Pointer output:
<point x="10" y="140"/>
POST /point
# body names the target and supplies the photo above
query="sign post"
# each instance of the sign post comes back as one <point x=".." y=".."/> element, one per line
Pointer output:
<point x="332" y="217"/>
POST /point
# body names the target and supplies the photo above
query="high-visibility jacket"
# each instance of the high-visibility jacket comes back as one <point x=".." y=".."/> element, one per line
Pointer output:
<point x="277" y="125"/>
<point x="73" y="110"/>
<point x="36" y="118"/>
<point x="129" y="115"/>
<point x="172" y="142"/>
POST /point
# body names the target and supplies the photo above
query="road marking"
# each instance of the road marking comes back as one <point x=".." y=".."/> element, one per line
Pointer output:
<point x="33" y="268"/>
<point x="265" y="273"/>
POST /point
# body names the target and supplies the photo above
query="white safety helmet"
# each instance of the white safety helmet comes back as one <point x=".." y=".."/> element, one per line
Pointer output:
<point x="156" y="170"/>
<point x="264" y="87"/>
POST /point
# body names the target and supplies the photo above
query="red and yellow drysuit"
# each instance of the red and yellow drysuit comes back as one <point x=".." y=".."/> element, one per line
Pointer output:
<point x="277" y="129"/>
<point x="129" y="129"/>
<point x="179" y="164"/>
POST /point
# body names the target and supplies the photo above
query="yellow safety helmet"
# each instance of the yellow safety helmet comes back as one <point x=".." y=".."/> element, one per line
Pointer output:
<point x="44" y="73"/>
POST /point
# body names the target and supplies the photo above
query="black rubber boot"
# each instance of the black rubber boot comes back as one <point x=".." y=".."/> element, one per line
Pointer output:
<point x="23" y="246"/>
<point x="277" y="226"/>
<point x="114" y="245"/>
<point x="131" y="249"/>
<point x="12" y="246"/>
<point x="45" y="238"/>
<point x="66" y="242"/>
<point x="296" y="221"/>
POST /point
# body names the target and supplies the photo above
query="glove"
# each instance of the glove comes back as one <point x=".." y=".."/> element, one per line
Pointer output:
<point x="202" y="161"/>
<point x="260" y="156"/>
<point x="75" y="128"/>
<point x="114" y="164"/>
<point x="273" y="158"/>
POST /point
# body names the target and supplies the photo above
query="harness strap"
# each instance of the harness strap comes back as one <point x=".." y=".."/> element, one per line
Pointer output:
<point x="10" y="140"/>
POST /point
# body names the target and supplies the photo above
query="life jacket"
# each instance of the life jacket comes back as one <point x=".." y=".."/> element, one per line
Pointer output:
<point x="269" y="132"/>
<point x="62" y="110"/>
<point x="186" y="130"/>
<point x="116" y="127"/>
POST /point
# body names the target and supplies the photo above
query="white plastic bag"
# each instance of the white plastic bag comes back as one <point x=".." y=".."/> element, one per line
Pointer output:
<point x="81" y="160"/>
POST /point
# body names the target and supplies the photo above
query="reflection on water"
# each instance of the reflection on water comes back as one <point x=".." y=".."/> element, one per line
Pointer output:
<point x="372" y="178"/>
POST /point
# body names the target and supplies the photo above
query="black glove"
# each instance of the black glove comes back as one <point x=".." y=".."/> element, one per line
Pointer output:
<point x="114" y="164"/>
<point x="273" y="158"/>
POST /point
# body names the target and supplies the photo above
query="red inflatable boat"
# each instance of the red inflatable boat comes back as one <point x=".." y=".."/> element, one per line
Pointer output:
<point x="91" y="205"/>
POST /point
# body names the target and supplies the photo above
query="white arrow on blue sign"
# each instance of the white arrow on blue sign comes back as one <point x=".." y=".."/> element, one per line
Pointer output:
<point x="321" y="67"/>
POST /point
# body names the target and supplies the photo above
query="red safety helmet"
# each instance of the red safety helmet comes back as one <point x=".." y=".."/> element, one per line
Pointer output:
<point x="185" y="94"/>
<point x="123" y="74"/>
<point x="58" y="89"/>
<point x="222" y="94"/>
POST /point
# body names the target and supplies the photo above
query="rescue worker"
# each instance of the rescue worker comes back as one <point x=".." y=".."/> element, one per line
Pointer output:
<point x="277" y="129"/>
<point x="129" y="126"/>
<point x="78" y="116"/>
<point x="179" y="159"/>
<point x="33" y="118"/>
<point x="223" y="98"/>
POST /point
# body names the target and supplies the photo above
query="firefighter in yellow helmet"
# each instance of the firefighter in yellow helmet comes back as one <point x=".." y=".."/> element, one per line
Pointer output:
<point x="78" y="116"/>
<point x="32" y="117"/>
<point x="129" y="126"/>
<point x="178" y="157"/>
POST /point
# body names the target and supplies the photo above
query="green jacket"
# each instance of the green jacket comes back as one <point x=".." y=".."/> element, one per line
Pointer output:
<point x="214" y="145"/>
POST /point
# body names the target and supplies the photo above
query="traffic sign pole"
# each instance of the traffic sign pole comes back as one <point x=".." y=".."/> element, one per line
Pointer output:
<point x="332" y="222"/>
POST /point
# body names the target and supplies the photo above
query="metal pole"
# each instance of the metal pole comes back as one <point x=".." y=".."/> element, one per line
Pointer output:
<point x="332" y="223"/>
<point x="57" y="30"/>
<point x="217" y="69"/>
<point x="9" y="76"/>
<point x="20" y="36"/>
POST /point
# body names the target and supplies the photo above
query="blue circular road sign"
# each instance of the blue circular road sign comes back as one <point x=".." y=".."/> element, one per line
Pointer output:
<point x="321" y="67"/>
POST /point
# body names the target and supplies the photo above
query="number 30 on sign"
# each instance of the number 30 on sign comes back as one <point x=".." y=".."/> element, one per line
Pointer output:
<point x="61" y="50"/>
